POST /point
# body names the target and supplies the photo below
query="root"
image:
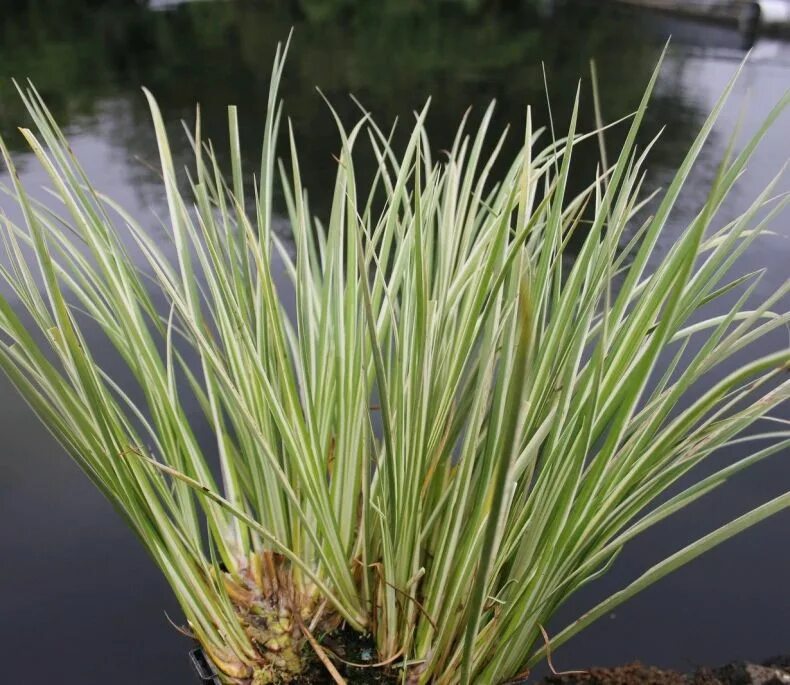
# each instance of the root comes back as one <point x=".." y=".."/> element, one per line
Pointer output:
<point x="321" y="654"/>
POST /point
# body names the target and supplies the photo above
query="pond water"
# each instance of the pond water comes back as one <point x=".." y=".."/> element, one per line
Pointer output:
<point x="79" y="600"/>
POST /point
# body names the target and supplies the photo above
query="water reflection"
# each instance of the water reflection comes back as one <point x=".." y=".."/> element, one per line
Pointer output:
<point x="79" y="584"/>
<point x="392" y="59"/>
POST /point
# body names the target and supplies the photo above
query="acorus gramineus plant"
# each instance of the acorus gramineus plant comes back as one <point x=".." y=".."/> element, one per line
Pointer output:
<point x="448" y="435"/>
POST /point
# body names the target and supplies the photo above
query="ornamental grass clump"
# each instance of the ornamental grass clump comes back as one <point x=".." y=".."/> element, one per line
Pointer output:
<point x="450" y="430"/>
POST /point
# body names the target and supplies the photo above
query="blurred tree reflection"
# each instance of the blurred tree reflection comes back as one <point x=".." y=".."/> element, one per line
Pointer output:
<point x="89" y="63"/>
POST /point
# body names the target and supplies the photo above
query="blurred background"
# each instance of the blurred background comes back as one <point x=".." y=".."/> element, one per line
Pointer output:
<point x="79" y="600"/>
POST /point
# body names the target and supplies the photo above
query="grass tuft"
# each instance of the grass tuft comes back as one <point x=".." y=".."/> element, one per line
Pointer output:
<point x="451" y="432"/>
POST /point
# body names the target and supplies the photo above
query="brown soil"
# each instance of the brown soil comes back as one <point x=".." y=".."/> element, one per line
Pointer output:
<point x="774" y="671"/>
<point x="346" y="647"/>
<point x="629" y="674"/>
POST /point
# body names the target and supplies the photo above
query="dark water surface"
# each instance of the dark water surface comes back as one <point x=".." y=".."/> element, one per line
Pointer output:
<point x="79" y="600"/>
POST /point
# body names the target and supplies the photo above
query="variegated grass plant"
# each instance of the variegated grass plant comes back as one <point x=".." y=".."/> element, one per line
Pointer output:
<point x="453" y="430"/>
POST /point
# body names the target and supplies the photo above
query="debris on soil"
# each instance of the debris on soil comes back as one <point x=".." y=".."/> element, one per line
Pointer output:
<point x="346" y="647"/>
<point x="621" y="675"/>
<point x="350" y="647"/>
<point x="775" y="671"/>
